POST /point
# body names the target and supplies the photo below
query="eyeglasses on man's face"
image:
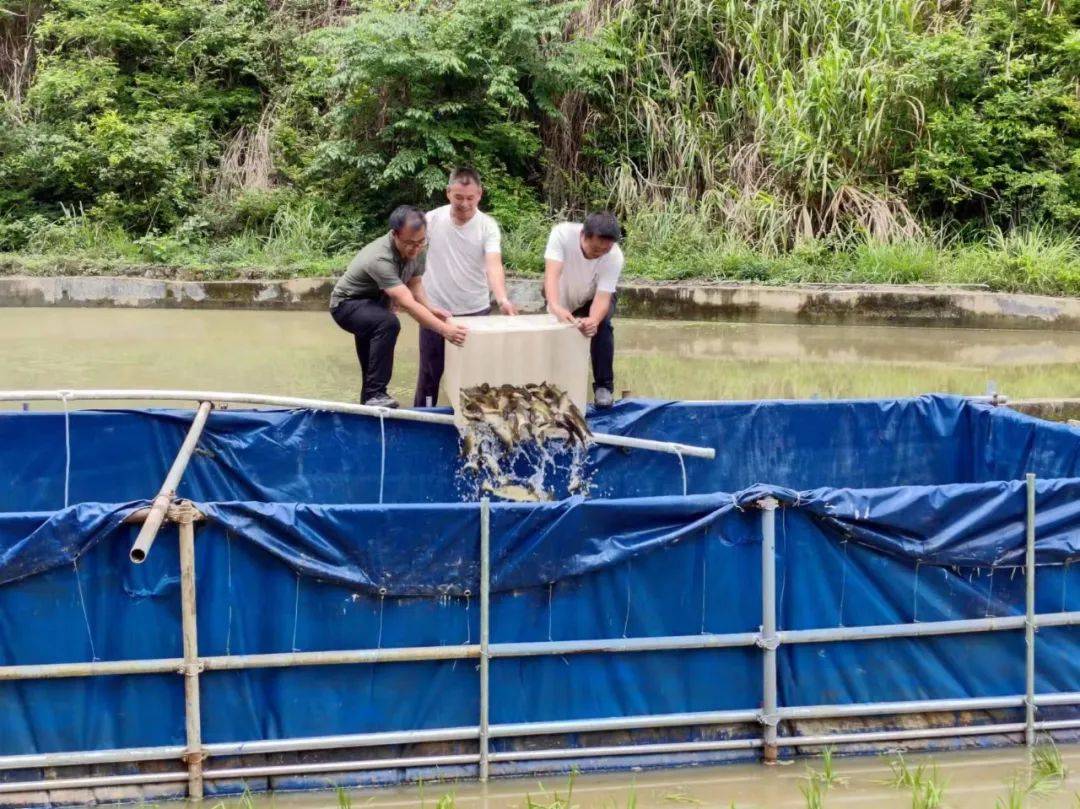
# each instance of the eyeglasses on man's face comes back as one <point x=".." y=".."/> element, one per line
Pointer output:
<point x="414" y="243"/>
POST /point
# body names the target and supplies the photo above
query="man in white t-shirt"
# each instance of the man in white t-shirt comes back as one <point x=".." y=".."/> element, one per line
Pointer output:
<point x="582" y="263"/>
<point x="464" y="271"/>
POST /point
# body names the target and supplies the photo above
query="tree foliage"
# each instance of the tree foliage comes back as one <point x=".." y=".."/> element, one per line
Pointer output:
<point x="770" y="120"/>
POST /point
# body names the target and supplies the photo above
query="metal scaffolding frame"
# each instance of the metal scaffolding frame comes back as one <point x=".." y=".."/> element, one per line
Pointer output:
<point x="768" y="639"/>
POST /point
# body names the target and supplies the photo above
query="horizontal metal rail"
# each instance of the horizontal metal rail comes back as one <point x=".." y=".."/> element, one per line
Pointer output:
<point x="507" y="731"/>
<point x="401" y="414"/>
<point x="91" y="782"/>
<point x="341" y="766"/>
<point x="533" y="649"/>
<point x="861" y="709"/>
<point x="619" y="645"/>
<point x="872" y="736"/>
<point x="671" y="720"/>
<point x="627" y="750"/>
<point x="299" y="768"/>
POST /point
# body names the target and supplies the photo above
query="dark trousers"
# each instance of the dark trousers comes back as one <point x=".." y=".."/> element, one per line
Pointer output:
<point x="602" y="348"/>
<point x="432" y="362"/>
<point x="375" y="331"/>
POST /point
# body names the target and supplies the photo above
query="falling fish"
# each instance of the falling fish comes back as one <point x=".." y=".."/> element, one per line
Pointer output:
<point x="515" y="492"/>
<point x="524" y="414"/>
<point x="499" y="420"/>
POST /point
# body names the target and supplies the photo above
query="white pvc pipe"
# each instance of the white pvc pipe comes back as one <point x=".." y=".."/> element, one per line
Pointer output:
<point x="319" y="404"/>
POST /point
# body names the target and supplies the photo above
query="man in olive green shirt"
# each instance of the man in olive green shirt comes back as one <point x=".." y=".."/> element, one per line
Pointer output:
<point x="382" y="278"/>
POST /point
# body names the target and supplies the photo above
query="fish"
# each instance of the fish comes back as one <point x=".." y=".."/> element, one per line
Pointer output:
<point x="502" y="430"/>
<point x="468" y="443"/>
<point x="516" y="492"/>
<point x="511" y="416"/>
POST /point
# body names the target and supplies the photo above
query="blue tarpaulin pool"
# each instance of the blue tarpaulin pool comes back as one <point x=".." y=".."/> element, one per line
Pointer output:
<point x="892" y="511"/>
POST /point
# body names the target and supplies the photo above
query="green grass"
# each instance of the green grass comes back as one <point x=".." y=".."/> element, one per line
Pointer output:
<point x="665" y="243"/>
<point x="813" y="793"/>
<point x="1045" y="775"/>
<point x="827" y="776"/>
<point x="558" y="801"/>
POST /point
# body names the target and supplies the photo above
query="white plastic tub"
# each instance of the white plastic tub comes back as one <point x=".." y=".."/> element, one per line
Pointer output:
<point x="518" y="350"/>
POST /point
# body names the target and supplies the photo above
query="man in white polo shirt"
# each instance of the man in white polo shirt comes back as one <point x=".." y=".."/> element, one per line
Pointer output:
<point x="582" y="263"/>
<point x="464" y="271"/>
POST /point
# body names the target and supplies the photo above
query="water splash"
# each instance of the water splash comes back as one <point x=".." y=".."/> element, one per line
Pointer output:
<point x="522" y="444"/>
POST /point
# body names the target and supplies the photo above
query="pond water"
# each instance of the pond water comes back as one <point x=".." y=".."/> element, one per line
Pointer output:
<point x="306" y="354"/>
<point x="975" y="779"/>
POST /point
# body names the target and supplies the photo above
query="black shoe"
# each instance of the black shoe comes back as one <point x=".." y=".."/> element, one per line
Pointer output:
<point x="383" y="400"/>
<point x="602" y="397"/>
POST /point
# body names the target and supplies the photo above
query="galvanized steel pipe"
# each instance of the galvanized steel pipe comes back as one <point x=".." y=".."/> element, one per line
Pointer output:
<point x="485" y="631"/>
<point x="1029" y="630"/>
<point x="627" y="750"/>
<point x="167" y="492"/>
<point x="770" y="718"/>
<point x="192" y="666"/>
<point x="670" y="720"/>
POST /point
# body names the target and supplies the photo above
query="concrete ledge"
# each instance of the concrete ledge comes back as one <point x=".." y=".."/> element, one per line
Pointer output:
<point x="855" y="305"/>
<point x="148" y="293"/>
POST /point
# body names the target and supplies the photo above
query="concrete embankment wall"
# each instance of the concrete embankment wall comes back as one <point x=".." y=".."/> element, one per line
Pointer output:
<point x="854" y="305"/>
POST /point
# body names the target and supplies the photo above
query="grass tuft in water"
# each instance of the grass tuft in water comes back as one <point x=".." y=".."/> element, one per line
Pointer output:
<point x="1015" y="798"/>
<point x="813" y="793"/>
<point x="828" y="775"/>
<point x="930" y="794"/>
<point x="343" y="799"/>
<point x="903" y="776"/>
<point x="1047" y="765"/>
<point x="558" y="802"/>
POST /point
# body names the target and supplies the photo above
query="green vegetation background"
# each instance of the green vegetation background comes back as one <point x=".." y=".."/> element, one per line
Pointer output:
<point x="767" y="140"/>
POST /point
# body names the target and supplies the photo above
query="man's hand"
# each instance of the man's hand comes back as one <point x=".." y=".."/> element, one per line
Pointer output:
<point x="440" y="313"/>
<point x="507" y="307"/>
<point x="561" y="314"/>
<point x="454" y="332"/>
<point x="588" y="326"/>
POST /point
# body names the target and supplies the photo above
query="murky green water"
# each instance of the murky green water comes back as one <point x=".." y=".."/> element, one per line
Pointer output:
<point x="975" y="779"/>
<point x="305" y="354"/>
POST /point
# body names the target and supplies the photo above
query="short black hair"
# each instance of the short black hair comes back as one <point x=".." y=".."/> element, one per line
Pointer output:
<point x="406" y="216"/>
<point x="602" y="224"/>
<point x="464" y="174"/>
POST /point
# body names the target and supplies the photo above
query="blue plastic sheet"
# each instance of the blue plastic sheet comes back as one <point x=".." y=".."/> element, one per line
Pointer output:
<point x="892" y="511"/>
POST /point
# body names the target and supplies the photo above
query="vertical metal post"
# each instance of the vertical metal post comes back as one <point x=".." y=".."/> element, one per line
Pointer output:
<point x="485" y="623"/>
<point x="1029" y="622"/>
<point x="184" y="516"/>
<point x="769" y="641"/>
